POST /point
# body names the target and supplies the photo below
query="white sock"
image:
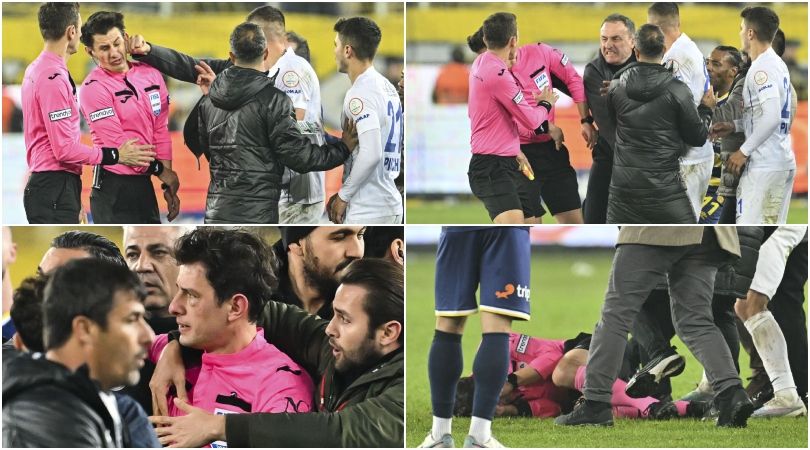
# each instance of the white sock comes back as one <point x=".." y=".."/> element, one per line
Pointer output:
<point x="770" y="343"/>
<point x="441" y="426"/>
<point x="481" y="429"/>
<point x="704" y="385"/>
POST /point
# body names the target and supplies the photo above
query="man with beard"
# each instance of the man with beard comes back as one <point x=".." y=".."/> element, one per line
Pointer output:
<point x="308" y="262"/>
<point x="95" y="340"/>
<point x="358" y="358"/>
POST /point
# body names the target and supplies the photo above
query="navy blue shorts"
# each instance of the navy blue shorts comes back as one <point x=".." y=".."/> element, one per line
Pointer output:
<point x="497" y="258"/>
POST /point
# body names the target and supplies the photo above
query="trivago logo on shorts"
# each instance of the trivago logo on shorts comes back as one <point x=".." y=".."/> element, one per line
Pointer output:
<point x="509" y="289"/>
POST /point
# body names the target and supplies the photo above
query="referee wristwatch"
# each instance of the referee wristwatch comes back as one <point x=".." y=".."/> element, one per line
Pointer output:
<point x="587" y="119"/>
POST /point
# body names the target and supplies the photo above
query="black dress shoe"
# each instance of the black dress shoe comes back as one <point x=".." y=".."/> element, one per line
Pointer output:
<point x="646" y="382"/>
<point x="697" y="409"/>
<point x="588" y="413"/>
<point x="662" y="411"/>
<point x="734" y="408"/>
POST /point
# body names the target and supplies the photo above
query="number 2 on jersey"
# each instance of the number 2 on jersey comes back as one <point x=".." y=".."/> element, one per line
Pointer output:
<point x="392" y="153"/>
<point x="784" y="127"/>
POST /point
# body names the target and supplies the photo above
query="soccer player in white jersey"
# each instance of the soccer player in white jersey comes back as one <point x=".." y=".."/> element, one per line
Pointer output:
<point x="368" y="194"/>
<point x="302" y="195"/>
<point x="765" y="160"/>
<point x="688" y="65"/>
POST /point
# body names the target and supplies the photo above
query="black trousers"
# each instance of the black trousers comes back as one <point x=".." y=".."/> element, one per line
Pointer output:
<point x="53" y="198"/>
<point x="124" y="199"/>
<point x="594" y="208"/>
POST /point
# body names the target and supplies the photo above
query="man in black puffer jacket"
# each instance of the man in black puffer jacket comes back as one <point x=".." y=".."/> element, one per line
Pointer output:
<point x="656" y="123"/>
<point x="248" y="129"/>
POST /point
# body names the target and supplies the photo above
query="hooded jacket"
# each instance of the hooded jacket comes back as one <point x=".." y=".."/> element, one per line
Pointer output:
<point x="47" y="405"/>
<point x="369" y="412"/>
<point x="656" y="123"/>
<point x="248" y="129"/>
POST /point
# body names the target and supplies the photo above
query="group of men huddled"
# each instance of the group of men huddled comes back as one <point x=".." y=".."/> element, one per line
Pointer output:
<point x="259" y="124"/>
<point x="677" y="138"/>
<point x="218" y="337"/>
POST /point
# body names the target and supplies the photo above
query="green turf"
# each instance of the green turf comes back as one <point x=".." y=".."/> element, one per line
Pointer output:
<point x="567" y="293"/>
<point x="470" y="210"/>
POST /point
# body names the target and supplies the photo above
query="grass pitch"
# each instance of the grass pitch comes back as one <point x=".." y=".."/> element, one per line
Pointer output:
<point x="468" y="209"/>
<point x="567" y="292"/>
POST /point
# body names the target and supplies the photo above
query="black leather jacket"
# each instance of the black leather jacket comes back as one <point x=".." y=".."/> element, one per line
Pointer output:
<point x="248" y="128"/>
<point x="46" y="405"/>
<point x="656" y="123"/>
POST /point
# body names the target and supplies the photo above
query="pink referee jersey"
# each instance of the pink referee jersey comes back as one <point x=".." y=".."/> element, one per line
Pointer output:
<point x="123" y="106"/>
<point x="542" y="355"/>
<point x="51" y="118"/>
<point x="258" y="378"/>
<point x="496" y="104"/>
<point x="541" y="66"/>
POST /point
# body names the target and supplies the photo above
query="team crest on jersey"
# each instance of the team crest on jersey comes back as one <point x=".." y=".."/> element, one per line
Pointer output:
<point x="355" y="106"/>
<point x="523" y="343"/>
<point x="101" y="114"/>
<point x="760" y="77"/>
<point x="518" y="98"/>
<point x="541" y="81"/>
<point x="61" y="114"/>
<point x="290" y="79"/>
<point x="154" y="99"/>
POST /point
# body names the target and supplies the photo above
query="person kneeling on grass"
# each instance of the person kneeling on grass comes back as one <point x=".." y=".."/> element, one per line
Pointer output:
<point x="547" y="376"/>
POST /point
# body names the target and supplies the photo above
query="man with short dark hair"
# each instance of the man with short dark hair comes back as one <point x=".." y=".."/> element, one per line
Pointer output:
<point x="617" y="38"/>
<point x="655" y="120"/>
<point x="55" y="154"/>
<point x="358" y="357"/>
<point x="96" y="339"/>
<point x="765" y="162"/>
<point x="79" y="244"/>
<point x="368" y="193"/>
<point x="686" y="61"/>
<point x="123" y="100"/>
<point x="244" y="111"/>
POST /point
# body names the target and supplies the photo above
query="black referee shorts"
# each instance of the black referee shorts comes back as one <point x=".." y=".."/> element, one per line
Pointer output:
<point x="495" y="180"/>
<point x="555" y="182"/>
<point x="124" y="199"/>
<point x="53" y="197"/>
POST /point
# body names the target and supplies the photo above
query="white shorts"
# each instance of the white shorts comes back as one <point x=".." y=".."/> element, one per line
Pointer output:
<point x="299" y="213"/>
<point x="696" y="176"/>
<point x="763" y="197"/>
<point x="384" y="220"/>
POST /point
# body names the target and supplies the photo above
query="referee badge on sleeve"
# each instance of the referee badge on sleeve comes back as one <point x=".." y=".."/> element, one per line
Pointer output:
<point x="518" y="98"/>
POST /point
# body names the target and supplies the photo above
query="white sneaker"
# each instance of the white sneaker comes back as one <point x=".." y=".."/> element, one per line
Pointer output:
<point x="782" y="405"/>
<point x="470" y="442"/>
<point x="446" y="441"/>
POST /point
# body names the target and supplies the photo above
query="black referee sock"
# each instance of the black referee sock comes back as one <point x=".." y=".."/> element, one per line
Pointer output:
<point x="445" y="363"/>
<point x="490" y="368"/>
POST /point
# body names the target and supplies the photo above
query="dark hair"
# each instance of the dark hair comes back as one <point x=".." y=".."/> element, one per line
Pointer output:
<point x="476" y="41"/>
<point x="650" y="41"/>
<point x="55" y="17"/>
<point x="664" y="10"/>
<point x="762" y="20"/>
<point x="498" y="29"/>
<point x="98" y="246"/>
<point x="248" y="43"/>
<point x="26" y="311"/>
<point x="267" y="13"/>
<point x="778" y="43"/>
<point x="616" y="17"/>
<point x="83" y="287"/>
<point x="457" y="55"/>
<point x="101" y="23"/>
<point x="465" y="388"/>
<point x="235" y="262"/>
<point x="378" y="239"/>
<point x="383" y="281"/>
<point x="361" y="33"/>
<point x="732" y="53"/>
<point x="301" y="45"/>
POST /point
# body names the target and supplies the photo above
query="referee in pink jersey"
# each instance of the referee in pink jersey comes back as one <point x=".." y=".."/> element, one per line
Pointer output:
<point x="54" y="152"/>
<point x="496" y="106"/>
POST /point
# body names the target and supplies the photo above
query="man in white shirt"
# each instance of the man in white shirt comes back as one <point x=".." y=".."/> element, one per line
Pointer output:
<point x="368" y="194"/>
<point x="687" y="63"/>
<point x="765" y="160"/>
